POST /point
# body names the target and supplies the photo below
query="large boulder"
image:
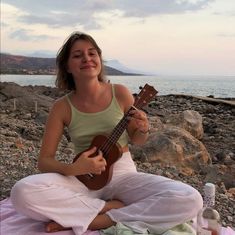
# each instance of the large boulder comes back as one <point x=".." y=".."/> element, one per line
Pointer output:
<point x="13" y="96"/>
<point x="155" y="123"/>
<point x="189" y="120"/>
<point x="173" y="146"/>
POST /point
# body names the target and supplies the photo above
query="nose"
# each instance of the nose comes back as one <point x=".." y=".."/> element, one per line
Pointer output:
<point x="86" y="57"/>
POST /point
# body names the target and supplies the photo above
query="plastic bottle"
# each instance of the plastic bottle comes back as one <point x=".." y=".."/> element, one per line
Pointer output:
<point x="208" y="219"/>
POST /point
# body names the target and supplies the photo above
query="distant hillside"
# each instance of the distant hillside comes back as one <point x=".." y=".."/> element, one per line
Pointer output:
<point x="16" y="64"/>
<point x="119" y="66"/>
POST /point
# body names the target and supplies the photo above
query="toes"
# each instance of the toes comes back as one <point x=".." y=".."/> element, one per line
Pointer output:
<point x="52" y="227"/>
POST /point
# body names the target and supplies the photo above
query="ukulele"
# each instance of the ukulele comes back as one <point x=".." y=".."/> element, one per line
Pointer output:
<point x="108" y="145"/>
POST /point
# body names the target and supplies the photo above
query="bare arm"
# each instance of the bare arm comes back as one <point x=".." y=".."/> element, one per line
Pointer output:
<point x="138" y="125"/>
<point x="51" y="138"/>
<point x="58" y="117"/>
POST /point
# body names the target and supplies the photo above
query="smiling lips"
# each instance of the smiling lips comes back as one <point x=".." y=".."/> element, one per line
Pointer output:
<point x="87" y="67"/>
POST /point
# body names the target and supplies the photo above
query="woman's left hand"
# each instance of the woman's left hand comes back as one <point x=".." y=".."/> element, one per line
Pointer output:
<point x="140" y="119"/>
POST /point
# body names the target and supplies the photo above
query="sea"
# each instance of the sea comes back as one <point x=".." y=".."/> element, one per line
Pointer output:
<point x="214" y="86"/>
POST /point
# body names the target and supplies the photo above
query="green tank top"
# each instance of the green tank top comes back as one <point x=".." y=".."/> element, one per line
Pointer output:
<point x="84" y="127"/>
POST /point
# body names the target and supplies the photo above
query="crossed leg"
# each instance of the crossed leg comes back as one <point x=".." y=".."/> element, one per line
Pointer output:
<point x="101" y="221"/>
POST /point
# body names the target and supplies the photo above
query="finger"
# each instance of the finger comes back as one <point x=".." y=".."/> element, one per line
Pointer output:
<point x="137" y="111"/>
<point x="139" y="115"/>
<point x="102" y="162"/>
<point x="99" y="155"/>
<point x="142" y="116"/>
<point x="101" y="168"/>
<point x="99" y="159"/>
<point x="141" y="124"/>
<point x="90" y="151"/>
<point x="98" y="172"/>
<point x="145" y="126"/>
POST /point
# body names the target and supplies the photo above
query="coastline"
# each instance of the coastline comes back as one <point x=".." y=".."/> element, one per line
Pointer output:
<point x="210" y="99"/>
<point x="22" y="128"/>
<point x="210" y="86"/>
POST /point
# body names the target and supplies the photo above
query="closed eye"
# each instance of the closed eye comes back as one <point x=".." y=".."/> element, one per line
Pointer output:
<point x="77" y="56"/>
<point x="92" y="54"/>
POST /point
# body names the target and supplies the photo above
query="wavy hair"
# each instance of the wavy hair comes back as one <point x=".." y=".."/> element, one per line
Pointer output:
<point x="64" y="80"/>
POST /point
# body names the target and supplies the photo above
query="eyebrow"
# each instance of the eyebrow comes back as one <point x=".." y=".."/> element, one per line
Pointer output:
<point x="90" y="49"/>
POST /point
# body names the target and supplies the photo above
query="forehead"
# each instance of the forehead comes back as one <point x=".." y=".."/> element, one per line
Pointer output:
<point x="81" y="45"/>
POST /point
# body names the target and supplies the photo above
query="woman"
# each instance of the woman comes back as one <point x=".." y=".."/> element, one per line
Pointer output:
<point x="144" y="202"/>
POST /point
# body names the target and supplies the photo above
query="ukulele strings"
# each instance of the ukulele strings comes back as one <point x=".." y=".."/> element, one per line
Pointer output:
<point x="118" y="130"/>
<point x="116" y="133"/>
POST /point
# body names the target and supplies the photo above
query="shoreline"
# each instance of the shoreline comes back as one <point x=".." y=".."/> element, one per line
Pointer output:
<point x="212" y="87"/>
<point x="210" y="99"/>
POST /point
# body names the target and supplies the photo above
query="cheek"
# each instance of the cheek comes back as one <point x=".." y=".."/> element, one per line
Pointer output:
<point x="70" y="66"/>
<point x="99" y="64"/>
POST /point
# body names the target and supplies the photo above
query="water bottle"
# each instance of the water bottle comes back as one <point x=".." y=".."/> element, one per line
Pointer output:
<point x="208" y="219"/>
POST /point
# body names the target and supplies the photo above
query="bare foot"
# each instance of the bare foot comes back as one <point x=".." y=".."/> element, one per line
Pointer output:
<point x="113" y="204"/>
<point x="52" y="227"/>
<point x="101" y="221"/>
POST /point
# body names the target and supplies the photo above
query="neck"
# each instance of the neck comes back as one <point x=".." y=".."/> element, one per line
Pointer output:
<point x="88" y="90"/>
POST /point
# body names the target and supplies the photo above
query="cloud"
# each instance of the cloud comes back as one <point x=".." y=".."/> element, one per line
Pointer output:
<point x="4" y="24"/>
<point x="226" y="13"/>
<point x="226" y="35"/>
<point x="142" y="8"/>
<point x="86" y="13"/>
<point x="62" y="13"/>
<point x="27" y="35"/>
<point x="62" y="19"/>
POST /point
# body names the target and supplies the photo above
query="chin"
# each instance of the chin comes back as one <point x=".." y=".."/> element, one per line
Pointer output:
<point x="90" y="75"/>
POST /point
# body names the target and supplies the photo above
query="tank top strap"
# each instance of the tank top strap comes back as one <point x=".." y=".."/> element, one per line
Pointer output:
<point x="113" y="90"/>
<point x="68" y="99"/>
<point x="114" y="99"/>
<point x="84" y="126"/>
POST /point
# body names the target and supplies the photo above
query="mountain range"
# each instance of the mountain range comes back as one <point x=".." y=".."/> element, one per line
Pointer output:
<point x="119" y="66"/>
<point x="17" y="64"/>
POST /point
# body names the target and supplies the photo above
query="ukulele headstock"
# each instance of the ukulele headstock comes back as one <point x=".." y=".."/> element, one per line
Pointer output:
<point x="146" y="94"/>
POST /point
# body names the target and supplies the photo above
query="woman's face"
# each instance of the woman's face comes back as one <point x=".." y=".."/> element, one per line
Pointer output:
<point x="84" y="60"/>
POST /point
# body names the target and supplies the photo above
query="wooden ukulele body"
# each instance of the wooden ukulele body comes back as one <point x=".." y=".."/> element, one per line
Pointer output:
<point x="96" y="182"/>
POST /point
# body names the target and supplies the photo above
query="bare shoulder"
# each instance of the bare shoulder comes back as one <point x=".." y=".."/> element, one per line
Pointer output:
<point x="61" y="110"/>
<point x="122" y="91"/>
<point x="124" y="96"/>
<point x="59" y="103"/>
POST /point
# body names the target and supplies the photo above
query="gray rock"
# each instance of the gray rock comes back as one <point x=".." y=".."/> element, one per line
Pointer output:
<point x="173" y="146"/>
<point x="189" y="120"/>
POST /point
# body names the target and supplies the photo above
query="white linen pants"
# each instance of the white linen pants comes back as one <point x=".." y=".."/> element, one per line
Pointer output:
<point x="153" y="203"/>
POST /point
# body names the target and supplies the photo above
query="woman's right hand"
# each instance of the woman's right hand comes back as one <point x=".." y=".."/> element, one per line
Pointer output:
<point x="86" y="164"/>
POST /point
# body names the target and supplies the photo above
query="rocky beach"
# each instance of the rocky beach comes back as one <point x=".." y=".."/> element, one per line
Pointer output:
<point x="192" y="140"/>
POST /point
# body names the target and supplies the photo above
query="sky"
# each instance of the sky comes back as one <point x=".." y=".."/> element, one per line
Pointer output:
<point x="168" y="37"/>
